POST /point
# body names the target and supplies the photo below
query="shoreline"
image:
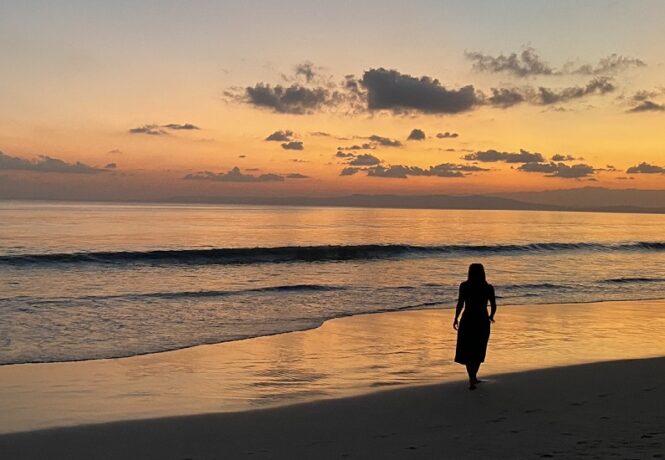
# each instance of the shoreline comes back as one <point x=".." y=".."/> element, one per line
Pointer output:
<point x="603" y="409"/>
<point x="318" y="326"/>
<point x="345" y="357"/>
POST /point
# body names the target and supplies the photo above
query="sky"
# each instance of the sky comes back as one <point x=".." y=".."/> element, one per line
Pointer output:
<point x="152" y="100"/>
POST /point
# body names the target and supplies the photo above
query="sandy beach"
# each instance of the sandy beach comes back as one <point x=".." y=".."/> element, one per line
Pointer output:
<point x="602" y="410"/>
<point x="561" y="380"/>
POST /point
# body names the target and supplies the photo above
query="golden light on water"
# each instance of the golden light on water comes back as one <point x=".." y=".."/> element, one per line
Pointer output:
<point x="343" y="357"/>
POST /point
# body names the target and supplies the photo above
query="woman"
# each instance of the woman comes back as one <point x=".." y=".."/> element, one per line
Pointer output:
<point x="473" y="331"/>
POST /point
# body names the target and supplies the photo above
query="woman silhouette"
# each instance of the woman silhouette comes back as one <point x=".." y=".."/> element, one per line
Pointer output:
<point x="473" y="331"/>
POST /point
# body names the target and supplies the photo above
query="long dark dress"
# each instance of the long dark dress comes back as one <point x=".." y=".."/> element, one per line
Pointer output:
<point x="474" y="327"/>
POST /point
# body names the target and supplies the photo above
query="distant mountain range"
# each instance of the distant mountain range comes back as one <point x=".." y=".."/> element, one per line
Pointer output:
<point x="591" y="199"/>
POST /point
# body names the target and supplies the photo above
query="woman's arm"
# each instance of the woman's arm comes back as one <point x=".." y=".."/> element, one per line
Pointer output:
<point x="460" y="306"/>
<point x="492" y="303"/>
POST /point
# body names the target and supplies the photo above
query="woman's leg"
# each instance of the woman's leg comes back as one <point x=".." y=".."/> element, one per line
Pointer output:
<point x="475" y="373"/>
<point x="472" y="370"/>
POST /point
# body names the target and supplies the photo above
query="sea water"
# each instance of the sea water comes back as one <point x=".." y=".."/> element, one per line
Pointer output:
<point x="82" y="281"/>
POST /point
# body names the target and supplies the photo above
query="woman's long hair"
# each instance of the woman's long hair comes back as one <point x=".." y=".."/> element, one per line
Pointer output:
<point x="477" y="274"/>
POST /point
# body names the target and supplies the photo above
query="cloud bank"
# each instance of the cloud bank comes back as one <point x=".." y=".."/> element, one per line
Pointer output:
<point x="46" y="164"/>
<point x="234" y="175"/>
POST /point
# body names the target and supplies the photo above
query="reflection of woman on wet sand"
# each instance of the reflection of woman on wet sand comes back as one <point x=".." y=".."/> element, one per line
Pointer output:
<point x="473" y="331"/>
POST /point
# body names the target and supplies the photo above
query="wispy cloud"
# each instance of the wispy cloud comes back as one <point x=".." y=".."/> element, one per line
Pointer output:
<point x="161" y="130"/>
<point x="384" y="141"/>
<point x="178" y="126"/>
<point x="524" y="64"/>
<point x="647" y="106"/>
<point x="527" y="63"/>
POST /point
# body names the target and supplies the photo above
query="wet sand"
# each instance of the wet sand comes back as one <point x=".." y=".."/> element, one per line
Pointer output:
<point x="601" y="410"/>
<point x="315" y="393"/>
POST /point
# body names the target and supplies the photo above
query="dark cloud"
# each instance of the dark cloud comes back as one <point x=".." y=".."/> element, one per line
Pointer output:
<point x="559" y="157"/>
<point x="490" y="156"/>
<point x="441" y="170"/>
<point x="321" y="133"/>
<point x="454" y="167"/>
<point x="349" y="171"/>
<point x="399" y="93"/>
<point x="234" y="175"/>
<point x="645" y="95"/>
<point x="293" y="145"/>
<point x="646" y="168"/>
<point x="385" y="141"/>
<point x="562" y="170"/>
<point x="446" y="135"/>
<point x="294" y="99"/>
<point x="114" y="152"/>
<point x="111" y="166"/>
<point x="45" y="163"/>
<point x="527" y="63"/>
<point x="242" y="156"/>
<point x="647" y="106"/>
<point x="364" y="159"/>
<point x="153" y="130"/>
<point x="296" y="176"/>
<point x="393" y="172"/>
<point x="547" y="96"/>
<point x="185" y="126"/>
<point x="506" y="97"/>
<point x="417" y="135"/>
<point x="613" y="63"/>
<point x="341" y="154"/>
<point x="365" y="146"/>
<point x="160" y="130"/>
<point x="307" y="70"/>
<point x="280" y="136"/>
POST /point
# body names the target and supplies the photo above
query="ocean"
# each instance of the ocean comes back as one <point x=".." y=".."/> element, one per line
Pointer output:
<point x="82" y="281"/>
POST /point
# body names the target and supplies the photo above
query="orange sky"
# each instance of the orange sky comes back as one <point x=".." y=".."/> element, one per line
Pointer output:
<point x="80" y="78"/>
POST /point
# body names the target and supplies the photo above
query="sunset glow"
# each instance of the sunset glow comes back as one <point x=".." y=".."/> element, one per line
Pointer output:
<point x="148" y="97"/>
